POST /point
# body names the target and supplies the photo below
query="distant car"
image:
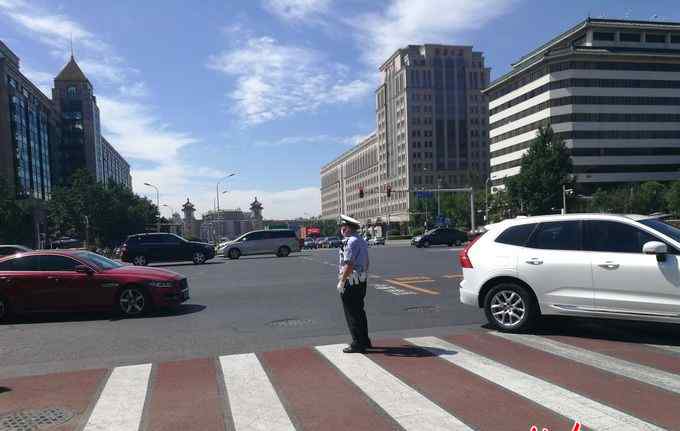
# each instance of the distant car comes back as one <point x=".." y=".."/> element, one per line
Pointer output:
<point x="66" y="243"/>
<point x="322" y="242"/>
<point x="140" y="249"/>
<point x="280" y="242"/>
<point x="334" y="242"/>
<point x="440" y="236"/>
<point x="309" y="243"/>
<point x="78" y="280"/>
<point x="7" y="250"/>
<point x="378" y="240"/>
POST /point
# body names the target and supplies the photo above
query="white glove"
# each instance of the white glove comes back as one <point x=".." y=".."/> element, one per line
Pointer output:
<point x="341" y="286"/>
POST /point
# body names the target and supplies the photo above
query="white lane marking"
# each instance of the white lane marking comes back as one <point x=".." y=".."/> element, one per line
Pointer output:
<point x="591" y="414"/>
<point x="393" y="290"/>
<point x="252" y="399"/>
<point x="642" y="373"/>
<point x="121" y="403"/>
<point x="675" y="349"/>
<point x="405" y="405"/>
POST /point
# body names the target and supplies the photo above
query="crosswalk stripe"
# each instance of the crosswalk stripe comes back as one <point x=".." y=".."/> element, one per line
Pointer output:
<point x="405" y="405"/>
<point x="253" y="401"/>
<point x="591" y="414"/>
<point x="674" y="349"/>
<point x="642" y="373"/>
<point x="121" y="403"/>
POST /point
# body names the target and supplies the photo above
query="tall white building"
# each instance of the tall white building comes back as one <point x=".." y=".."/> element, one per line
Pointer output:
<point x="609" y="88"/>
<point x="431" y="131"/>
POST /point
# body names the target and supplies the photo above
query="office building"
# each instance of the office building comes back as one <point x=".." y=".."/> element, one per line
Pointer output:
<point x="609" y="88"/>
<point x="28" y="131"/>
<point x="44" y="141"/>
<point x="81" y="145"/>
<point x="114" y="167"/>
<point x="431" y="132"/>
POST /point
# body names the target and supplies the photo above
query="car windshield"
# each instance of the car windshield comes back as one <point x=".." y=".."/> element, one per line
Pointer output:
<point x="98" y="261"/>
<point x="663" y="227"/>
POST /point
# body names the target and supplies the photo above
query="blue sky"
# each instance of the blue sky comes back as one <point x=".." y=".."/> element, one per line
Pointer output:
<point x="271" y="89"/>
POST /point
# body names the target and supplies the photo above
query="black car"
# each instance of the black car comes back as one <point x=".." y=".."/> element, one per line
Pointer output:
<point x="143" y="248"/>
<point x="440" y="236"/>
<point x="7" y="250"/>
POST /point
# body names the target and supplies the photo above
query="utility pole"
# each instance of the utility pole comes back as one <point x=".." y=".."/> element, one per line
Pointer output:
<point x="565" y="191"/>
<point x="158" y="224"/>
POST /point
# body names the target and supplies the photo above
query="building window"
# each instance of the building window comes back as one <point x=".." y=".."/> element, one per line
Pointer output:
<point x="71" y="91"/>
<point x="630" y="37"/>
<point x="675" y="38"/>
<point x="655" y="38"/>
<point x="604" y="36"/>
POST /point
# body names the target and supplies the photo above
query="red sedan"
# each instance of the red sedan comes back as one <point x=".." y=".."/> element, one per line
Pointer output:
<point x="54" y="280"/>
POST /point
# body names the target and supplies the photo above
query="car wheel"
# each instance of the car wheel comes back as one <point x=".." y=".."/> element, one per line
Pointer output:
<point x="140" y="261"/>
<point x="132" y="301"/>
<point x="283" y="251"/>
<point x="198" y="258"/>
<point x="510" y="308"/>
<point x="4" y="309"/>
<point x="426" y="244"/>
<point x="234" y="253"/>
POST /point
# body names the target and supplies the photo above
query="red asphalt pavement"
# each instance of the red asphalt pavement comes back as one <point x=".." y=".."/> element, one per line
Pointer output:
<point x="316" y="394"/>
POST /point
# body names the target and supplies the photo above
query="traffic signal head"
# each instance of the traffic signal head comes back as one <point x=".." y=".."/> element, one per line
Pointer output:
<point x="361" y="192"/>
<point x="389" y="191"/>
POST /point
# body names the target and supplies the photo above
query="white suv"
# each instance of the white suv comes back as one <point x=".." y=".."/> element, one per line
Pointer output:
<point x="596" y="265"/>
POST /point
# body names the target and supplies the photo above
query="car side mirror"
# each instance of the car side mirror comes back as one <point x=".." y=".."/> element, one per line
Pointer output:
<point x="84" y="269"/>
<point x="657" y="248"/>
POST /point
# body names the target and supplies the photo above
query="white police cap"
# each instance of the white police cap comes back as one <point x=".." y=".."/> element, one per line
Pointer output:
<point x="348" y="220"/>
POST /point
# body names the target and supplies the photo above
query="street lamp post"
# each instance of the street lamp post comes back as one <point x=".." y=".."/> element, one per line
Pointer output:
<point x="217" y="189"/>
<point x="158" y="224"/>
<point x="486" y="199"/>
<point x="439" y="186"/>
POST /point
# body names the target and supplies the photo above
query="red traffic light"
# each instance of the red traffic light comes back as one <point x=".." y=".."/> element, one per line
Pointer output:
<point x="361" y="192"/>
<point x="389" y="191"/>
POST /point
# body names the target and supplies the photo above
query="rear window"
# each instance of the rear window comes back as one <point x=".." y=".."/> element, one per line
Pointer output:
<point x="516" y="235"/>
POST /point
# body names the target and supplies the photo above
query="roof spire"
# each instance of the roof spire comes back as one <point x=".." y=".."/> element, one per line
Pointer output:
<point x="71" y="45"/>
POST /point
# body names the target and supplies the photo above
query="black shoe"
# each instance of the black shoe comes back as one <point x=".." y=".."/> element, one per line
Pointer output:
<point x="354" y="349"/>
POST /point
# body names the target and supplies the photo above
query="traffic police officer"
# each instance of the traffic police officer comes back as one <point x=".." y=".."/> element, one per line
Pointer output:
<point x="352" y="277"/>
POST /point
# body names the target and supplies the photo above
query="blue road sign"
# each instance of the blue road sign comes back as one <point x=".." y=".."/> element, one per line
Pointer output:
<point x="424" y="195"/>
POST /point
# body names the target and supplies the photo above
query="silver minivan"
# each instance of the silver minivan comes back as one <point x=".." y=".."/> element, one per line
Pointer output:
<point x="280" y="242"/>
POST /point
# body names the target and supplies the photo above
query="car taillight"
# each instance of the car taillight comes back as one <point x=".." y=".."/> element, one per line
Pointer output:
<point x="463" y="256"/>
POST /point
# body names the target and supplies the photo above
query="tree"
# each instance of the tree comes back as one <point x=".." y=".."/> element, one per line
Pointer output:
<point x="545" y="168"/>
<point x="105" y="214"/>
<point x="649" y="198"/>
<point x="672" y="198"/>
<point x="16" y="225"/>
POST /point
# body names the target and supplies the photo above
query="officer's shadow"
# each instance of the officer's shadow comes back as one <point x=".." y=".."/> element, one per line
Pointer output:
<point x="408" y="351"/>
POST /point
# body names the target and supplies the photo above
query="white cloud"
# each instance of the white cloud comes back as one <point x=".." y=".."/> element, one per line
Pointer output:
<point x="275" y="80"/>
<point x="54" y="30"/>
<point x="314" y="140"/>
<point x="424" y="21"/>
<point x="296" y="10"/>
<point x="42" y="80"/>
<point x="134" y="90"/>
<point x="137" y="133"/>
<point x="98" y="68"/>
